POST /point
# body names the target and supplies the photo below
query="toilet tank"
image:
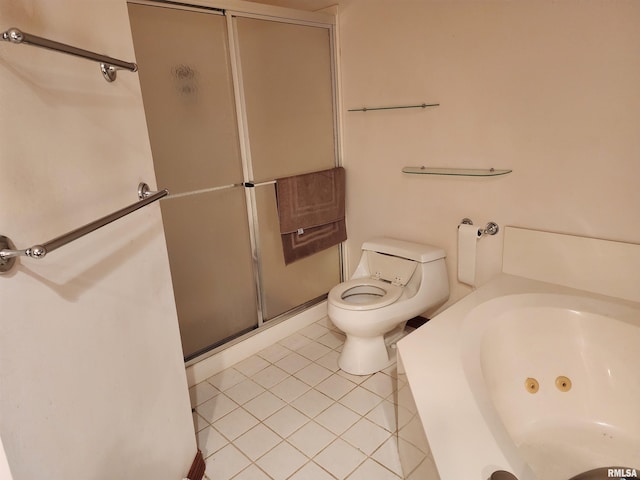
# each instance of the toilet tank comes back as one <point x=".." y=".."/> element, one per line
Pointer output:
<point x="394" y="260"/>
<point x="401" y="248"/>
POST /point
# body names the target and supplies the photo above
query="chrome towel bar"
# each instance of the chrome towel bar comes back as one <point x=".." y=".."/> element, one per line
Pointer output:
<point x="108" y="65"/>
<point x="8" y="251"/>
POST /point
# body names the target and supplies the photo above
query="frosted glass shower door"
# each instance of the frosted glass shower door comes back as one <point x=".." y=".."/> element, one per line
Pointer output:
<point x="220" y="219"/>
<point x="287" y="78"/>
<point x="185" y="74"/>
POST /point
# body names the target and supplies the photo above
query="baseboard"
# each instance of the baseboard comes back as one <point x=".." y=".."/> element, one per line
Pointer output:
<point x="196" y="472"/>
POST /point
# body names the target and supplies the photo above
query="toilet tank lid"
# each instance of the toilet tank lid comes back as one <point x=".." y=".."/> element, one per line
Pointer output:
<point x="401" y="248"/>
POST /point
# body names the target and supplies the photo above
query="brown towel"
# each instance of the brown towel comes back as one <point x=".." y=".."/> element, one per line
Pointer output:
<point x="311" y="212"/>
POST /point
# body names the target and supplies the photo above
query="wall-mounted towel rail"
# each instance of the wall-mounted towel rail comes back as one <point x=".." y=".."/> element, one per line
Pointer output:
<point x="108" y="65"/>
<point x="8" y="251"/>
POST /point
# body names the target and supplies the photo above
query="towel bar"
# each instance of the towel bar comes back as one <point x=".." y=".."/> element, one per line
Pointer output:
<point x="107" y="64"/>
<point x="8" y="253"/>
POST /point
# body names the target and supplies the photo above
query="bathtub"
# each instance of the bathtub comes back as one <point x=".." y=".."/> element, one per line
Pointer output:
<point x="539" y="380"/>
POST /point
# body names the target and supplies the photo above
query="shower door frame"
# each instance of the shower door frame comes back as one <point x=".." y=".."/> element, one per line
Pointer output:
<point x="245" y="148"/>
<point x="231" y="9"/>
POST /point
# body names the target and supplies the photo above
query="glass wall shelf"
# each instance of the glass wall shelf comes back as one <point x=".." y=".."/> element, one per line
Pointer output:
<point x="461" y="172"/>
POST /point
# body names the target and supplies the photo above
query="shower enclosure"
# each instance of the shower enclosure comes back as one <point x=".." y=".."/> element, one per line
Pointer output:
<point x="233" y="101"/>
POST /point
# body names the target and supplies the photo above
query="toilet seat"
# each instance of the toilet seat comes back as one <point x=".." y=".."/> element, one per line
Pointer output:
<point x="364" y="294"/>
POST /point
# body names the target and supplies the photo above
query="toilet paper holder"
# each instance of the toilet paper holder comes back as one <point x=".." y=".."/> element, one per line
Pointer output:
<point x="490" y="229"/>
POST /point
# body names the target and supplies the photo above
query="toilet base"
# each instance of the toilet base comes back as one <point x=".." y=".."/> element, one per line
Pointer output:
<point x="364" y="356"/>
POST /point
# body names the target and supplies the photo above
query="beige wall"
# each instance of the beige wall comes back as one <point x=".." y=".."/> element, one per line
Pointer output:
<point x="91" y="377"/>
<point x="92" y="383"/>
<point x="546" y="88"/>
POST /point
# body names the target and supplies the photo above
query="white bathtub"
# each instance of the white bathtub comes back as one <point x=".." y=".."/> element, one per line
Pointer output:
<point x="471" y="371"/>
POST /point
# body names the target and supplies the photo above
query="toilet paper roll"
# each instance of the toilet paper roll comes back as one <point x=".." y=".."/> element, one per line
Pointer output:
<point x="468" y="236"/>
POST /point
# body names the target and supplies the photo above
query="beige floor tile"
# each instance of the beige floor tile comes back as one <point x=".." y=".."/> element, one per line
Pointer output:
<point x="313" y="374"/>
<point x="202" y="392"/>
<point x="286" y="421"/>
<point x="274" y="353"/>
<point x="361" y="400"/>
<point x="312" y="403"/>
<point x="226" y="379"/>
<point x="371" y="470"/>
<point x="340" y="458"/>
<point x="366" y="436"/>
<point x="311" y="471"/>
<point x="252" y="473"/>
<point x="388" y="456"/>
<point x="311" y="438"/>
<point x="226" y="463"/>
<point x="235" y="423"/>
<point x="290" y="389"/>
<point x="293" y="362"/>
<point x="269" y="376"/>
<point x="335" y="386"/>
<point x="251" y="365"/>
<point x="281" y="461"/>
<point x="244" y="391"/>
<point x="257" y="441"/>
<point x="380" y="383"/>
<point x="336" y="425"/>
<point x="313" y="350"/>
<point x="210" y="441"/>
<point x="337" y="418"/>
<point x="313" y="331"/>
<point x="216" y="408"/>
<point x="264" y="405"/>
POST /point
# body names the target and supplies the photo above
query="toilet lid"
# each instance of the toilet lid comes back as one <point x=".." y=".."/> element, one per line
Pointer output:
<point x="364" y="294"/>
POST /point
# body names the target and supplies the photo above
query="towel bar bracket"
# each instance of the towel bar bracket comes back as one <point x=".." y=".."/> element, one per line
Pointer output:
<point x="109" y="72"/>
<point x="144" y="191"/>
<point x="6" y="263"/>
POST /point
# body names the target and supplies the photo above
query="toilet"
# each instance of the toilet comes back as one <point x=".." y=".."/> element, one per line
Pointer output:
<point x="395" y="281"/>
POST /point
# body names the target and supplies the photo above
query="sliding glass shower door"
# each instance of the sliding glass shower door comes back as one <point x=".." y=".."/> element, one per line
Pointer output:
<point x="189" y="103"/>
<point x="233" y="102"/>
<point x="286" y="72"/>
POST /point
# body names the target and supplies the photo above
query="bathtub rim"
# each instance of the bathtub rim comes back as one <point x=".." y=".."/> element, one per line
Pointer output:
<point x="465" y="427"/>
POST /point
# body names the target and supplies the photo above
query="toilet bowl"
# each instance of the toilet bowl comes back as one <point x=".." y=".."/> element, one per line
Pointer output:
<point x="394" y="281"/>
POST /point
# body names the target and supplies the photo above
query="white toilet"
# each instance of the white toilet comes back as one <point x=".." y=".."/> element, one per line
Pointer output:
<point x="394" y="282"/>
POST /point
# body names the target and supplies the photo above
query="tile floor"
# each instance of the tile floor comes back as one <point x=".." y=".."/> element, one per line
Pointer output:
<point x="289" y="412"/>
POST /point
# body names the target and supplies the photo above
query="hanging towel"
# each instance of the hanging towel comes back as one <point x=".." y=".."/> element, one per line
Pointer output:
<point x="311" y="212"/>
